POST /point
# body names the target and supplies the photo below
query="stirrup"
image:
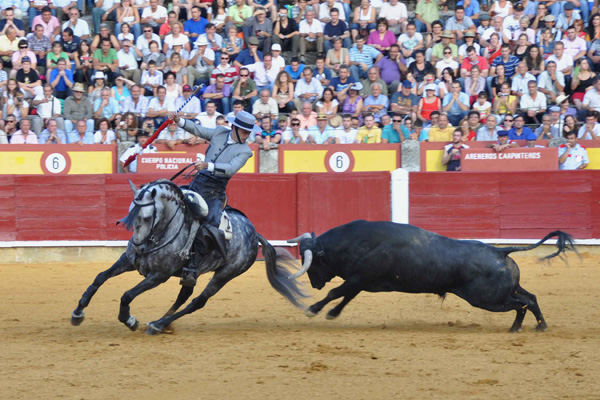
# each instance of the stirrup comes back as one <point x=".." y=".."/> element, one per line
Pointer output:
<point x="188" y="277"/>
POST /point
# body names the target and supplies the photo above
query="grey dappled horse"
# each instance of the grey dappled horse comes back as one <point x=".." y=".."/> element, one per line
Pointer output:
<point x="161" y="221"/>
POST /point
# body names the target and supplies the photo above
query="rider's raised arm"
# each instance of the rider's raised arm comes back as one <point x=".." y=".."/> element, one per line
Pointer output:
<point x="230" y="168"/>
<point x="199" y="130"/>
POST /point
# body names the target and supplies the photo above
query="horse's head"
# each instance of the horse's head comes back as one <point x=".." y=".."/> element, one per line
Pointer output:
<point x="145" y="212"/>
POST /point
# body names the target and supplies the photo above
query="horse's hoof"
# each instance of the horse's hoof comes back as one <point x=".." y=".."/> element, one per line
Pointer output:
<point x="542" y="328"/>
<point x="331" y="316"/>
<point x="132" y="323"/>
<point x="77" y="319"/>
<point x="153" y="330"/>
<point x="310" y="314"/>
<point x="515" y="330"/>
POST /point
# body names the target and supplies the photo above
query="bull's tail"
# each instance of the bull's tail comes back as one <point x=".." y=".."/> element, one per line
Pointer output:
<point x="279" y="262"/>
<point x="564" y="242"/>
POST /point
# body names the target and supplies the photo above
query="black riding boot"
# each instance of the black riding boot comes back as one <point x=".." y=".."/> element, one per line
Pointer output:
<point x="211" y="239"/>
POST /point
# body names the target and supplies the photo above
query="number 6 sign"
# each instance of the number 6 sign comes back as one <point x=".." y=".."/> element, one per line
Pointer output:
<point x="339" y="161"/>
<point x="56" y="163"/>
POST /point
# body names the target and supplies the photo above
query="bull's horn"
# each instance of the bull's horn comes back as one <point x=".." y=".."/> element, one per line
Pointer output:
<point x="132" y="186"/>
<point x="299" y="238"/>
<point x="307" y="261"/>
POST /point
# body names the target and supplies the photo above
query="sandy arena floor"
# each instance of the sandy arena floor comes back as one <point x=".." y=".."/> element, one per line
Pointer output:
<point x="248" y="343"/>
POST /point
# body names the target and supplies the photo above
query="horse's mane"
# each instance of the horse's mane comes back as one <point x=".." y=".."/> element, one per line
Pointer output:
<point x="132" y="215"/>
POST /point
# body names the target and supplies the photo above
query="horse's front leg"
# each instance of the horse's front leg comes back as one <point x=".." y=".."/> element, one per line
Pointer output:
<point x="184" y="295"/>
<point x="150" y="282"/>
<point x="122" y="265"/>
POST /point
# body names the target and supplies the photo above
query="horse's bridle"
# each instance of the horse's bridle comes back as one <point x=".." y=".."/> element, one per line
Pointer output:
<point x="150" y="237"/>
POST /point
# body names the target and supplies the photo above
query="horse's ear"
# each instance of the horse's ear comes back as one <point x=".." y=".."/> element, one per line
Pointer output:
<point x="132" y="186"/>
<point x="153" y="193"/>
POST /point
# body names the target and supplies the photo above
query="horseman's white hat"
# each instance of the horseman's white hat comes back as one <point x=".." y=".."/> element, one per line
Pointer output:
<point x="246" y="121"/>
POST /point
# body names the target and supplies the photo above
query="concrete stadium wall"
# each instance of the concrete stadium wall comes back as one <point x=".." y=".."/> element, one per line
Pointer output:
<point x="525" y="205"/>
<point x="82" y="208"/>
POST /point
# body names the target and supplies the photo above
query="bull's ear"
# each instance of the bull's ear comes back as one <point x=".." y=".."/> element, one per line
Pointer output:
<point x="313" y="235"/>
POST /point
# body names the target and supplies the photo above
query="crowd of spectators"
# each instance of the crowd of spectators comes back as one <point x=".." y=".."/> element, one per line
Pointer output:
<point x="379" y="76"/>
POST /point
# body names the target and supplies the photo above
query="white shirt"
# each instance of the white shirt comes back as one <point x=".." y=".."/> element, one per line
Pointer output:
<point x="487" y="34"/>
<point x="519" y="83"/>
<point x="155" y="104"/>
<point x="278" y="63"/>
<point x="324" y="10"/>
<point x="45" y="110"/>
<point x="160" y="12"/>
<point x="315" y="27"/>
<point x="270" y="108"/>
<point x="313" y="87"/>
<point x="262" y="77"/>
<point x="572" y="48"/>
<point x="396" y="12"/>
<point x="107" y="4"/>
<point x="156" y="79"/>
<point x="208" y="121"/>
<point x="346" y="137"/>
<point x="200" y="65"/>
<point x="584" y="135"/>
<point x="577" y="156"/>
<point x="592" y="99"/>
<point x="171" y="41"/>
<point x="545" y="82"/>
<point x="529" y="104"/>
<point x="110" y="136"/>
<point x="288" y="135"/>
<point x="129" y="59"/>
<point x="143" y="44"/>
<point x="193" y="107"/>
<point x="80" y="29"/>
<point x="565" y="61"/>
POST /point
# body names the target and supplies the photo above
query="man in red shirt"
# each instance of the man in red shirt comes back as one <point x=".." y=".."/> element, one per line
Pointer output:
<point x="474" y="59"/>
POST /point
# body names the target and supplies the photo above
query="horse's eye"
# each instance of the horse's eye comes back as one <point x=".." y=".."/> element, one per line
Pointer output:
<point x="146" y="219"/>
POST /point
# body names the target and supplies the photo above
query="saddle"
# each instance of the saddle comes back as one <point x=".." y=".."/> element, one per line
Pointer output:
<point x="193" y="201"/>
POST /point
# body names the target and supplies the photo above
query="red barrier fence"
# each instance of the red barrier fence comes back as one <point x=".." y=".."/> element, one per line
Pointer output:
<point x="525" y="205"/>
<point x="281" y="206"/>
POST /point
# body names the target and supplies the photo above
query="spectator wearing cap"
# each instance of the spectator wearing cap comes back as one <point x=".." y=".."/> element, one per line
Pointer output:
<point x="437" y="51"/>
<point x="278" y="61"/>
<point x="52" y="134"/>
<point x="429" y="104"/>
<point x="504" y="142"/>
<point x="567" y="17"/>
<point x="389" y="68"/>
<point x="545" y="130"/>
<point x="78" y="108"/>
<point x="250" y="55"/>
<point x="137" y="148"/>
<point x="307" y="89"/>
<point x="195" y="26"/>
<point x="285" y="31"/>
<point x="202" y="60"/>
<point x="50" y="23"/>
<point x="469" y="41"/>
<point x="362" y="57"/>
<point x="29" y="80"/>
<point x="192" y="108"/>
<point x="404" y="103"/>
<point x="261" y="27"/>
<point x="18" y="56"/>
<point x="82" y="134"/>
<point x="311" y="34"/>
<point x="61" y="79"/>
<point x="10" y="21"/>
<point x="460" y="23"/>
<point x="334" y="29"/>
<point x="484" y="23"/>
<point x="321" y="133"/>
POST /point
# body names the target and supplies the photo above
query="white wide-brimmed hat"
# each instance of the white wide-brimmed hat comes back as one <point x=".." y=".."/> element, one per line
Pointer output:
<point x="245" y="120"/>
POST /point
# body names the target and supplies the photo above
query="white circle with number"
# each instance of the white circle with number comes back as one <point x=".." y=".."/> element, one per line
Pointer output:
<point x="56" y="163"/>
<point x="339" y="162"/>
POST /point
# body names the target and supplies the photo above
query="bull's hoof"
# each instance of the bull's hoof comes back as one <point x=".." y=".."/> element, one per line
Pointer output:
<point x="132" y="323"/>
<point x="310" y="314"/>
<point x="153" y="329"/>
<point x="77" y="319"/>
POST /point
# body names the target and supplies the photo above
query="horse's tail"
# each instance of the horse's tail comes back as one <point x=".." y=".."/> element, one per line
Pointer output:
<point x="279" y="262"/>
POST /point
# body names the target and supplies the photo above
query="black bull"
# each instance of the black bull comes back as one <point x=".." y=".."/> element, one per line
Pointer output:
<point x="389" y="257"/>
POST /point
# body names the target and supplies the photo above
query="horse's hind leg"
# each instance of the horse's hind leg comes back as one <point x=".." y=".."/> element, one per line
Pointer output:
<point x="122" y="265"/>
<point x="150" y="282"/>
<point x="184" y="295"/>
<point x="214" y="285"/>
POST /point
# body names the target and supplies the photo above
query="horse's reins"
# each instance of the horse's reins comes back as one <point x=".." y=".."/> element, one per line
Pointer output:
<point x="149" y="237"/>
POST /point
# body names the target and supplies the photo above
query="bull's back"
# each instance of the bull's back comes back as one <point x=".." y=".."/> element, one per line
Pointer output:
<point x="386" y="256"/>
